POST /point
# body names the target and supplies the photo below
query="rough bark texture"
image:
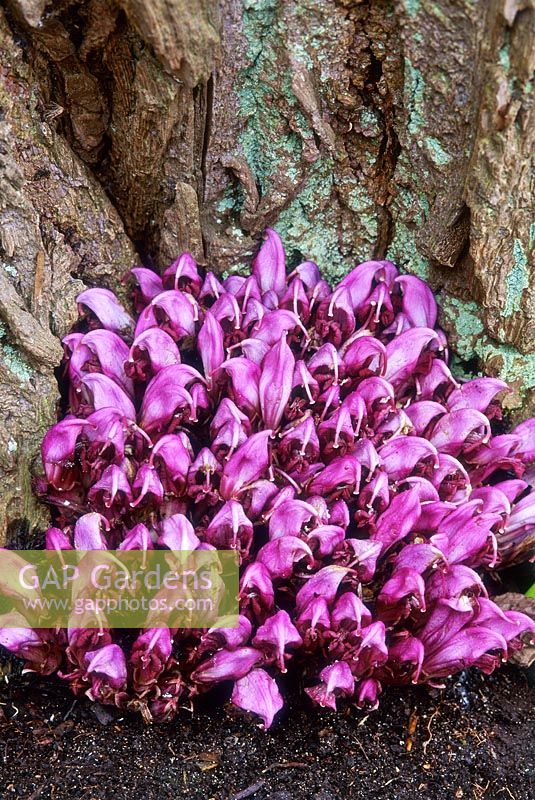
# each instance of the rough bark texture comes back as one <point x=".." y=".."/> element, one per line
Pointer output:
<point x="132" y="130"/>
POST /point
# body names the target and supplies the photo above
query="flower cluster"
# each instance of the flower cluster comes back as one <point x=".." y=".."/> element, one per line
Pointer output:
<point x="321" y="434"/>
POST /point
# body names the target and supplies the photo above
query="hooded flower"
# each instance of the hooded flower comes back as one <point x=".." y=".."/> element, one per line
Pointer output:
<point x="230" y="528"/>
<point x="280" y="556"/>
<point x="40" y="649"/>
<point x="150" y="654"/>
<point x="258" y="693"/>
<point x="58" y="452"/>
<point x="106" y="309"/>
<point x="246" y="465"/>
<point x="401" y="595"/>
<point x="276" y="382"/>
<point x="399" y="519"/>
<point x="106" y="665"/>
<point x="269" y="265"/>
<point x="211" y="345"/>
<point x="368" y="694"/>
<point x="274" y="637"/>
<point x="151" y="351"/>
<point x="336" y="681"/>
<point x="227" y="665"/>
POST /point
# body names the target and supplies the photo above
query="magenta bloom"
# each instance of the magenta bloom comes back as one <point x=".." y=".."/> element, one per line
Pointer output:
<point x="336" y="681"/>
<point x="319" y="433"/>
<point x="257" y="692"/>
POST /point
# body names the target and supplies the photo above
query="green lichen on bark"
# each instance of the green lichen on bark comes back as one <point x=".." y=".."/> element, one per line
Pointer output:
<point x="414" y="97"/>
<point x="16" y="363"/>
<point x="463" y="322"/>
<point x="438" y="154"/>
<point x="287" y="141"/>
<point x="516" y="281"/>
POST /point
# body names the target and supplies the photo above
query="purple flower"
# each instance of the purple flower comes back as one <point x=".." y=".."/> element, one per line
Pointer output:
<point x="106" y="665"/>
<point x="281" y="555"/>
<point x="324" y="583"/>
<point x="259" y="694"/>
<point x="399" y="518"/>
<point x="203" y="477"/>
<point x="106" y="309"/>
<point x="210" y="343"/>
<point x="401" y="595"/>
<point x="368" y="694"/>
<point x="275" y="636"/>
<point x="361" y="556"/>
<point x="227" y="665"/>
<point x="361" y="280"/>
<point x="421" y="557"/>
<point x="517" y="629"/>
<point x="372" y="651"/>
<point x="243" y="377"/>
<point x="88" y="533"/>
<point x="400" y="455"/>
<point x="269" y="265"/>
<point x="183" y="274"/>
<point x="466" y="538"/>
<point x="113" y="489"/>
<point x="246" y="465"/>
<point x="138" y="538"/>
<point x="256" y="590"/>
<point x="314" y="622"/>
<point x="177" y="533"/>
<point x="167" y="398"/>
<point x="147" y="486"/>
<point x="406" y="353"/>
<point x="417" y="302"/>
<point x="227" y="638"/>
<point x="336" y="681"/>
<point x="526" y="433"/>
<point x="424" y="414"/>
<point x="275" y="383"/>
<point x="151" y="351"/>
<point x="341" y="478"/>
<point x="97" y="392"/>
<point x="57" y="540"/>
<point x="230" y="528"/>
<point x="364" y="356"/>
<point x="58" y="452"/>
<point x="295" y="299"/>
<point x="100" y="351"/>
<point x="459" y="430"/>
<point x="471" y="646"/>
<point x="335" y="320"/>
<point x="173" y="311"/>
<point x="147" y="285"/>
<point x="349" y="613"/>
<point x="150" y="653"/>
<point x="460" y="585"/>
<point x="172" y="461"/>
<point x="405" y="659"/>
<point x="477" y="394"/>
<point x="40" y="649"/>
<point x="290" y="517"/>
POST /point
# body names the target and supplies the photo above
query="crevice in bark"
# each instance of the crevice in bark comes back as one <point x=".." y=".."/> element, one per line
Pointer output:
<point x="377" y="39"/>
<point x="115" y="107"/>
<point x="209" y="103"/>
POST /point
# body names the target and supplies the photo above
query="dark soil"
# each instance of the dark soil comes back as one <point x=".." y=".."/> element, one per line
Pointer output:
<point x="473" y="740"/>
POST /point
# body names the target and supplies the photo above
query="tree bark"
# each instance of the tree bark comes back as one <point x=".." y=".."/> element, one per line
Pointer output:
<point x="133" y="129"/>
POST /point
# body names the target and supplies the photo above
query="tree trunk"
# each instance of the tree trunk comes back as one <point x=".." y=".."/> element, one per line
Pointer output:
<point x="133" y="129"/>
